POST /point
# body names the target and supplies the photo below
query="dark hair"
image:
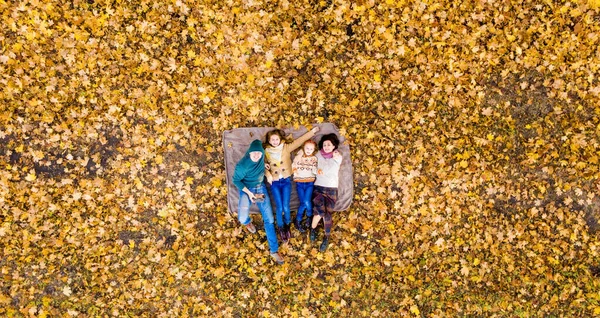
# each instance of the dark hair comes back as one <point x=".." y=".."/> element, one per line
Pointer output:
<point x="331" y="137"/>
<point x="279" y="133"/>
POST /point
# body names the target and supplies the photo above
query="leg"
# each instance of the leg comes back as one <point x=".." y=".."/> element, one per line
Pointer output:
<point x="330" y="198"/>
<point x="277" y="196"/>
<point x="318" y="205"/>
<point x="244" y="209"/>
<point x="286" y="192"/>
<point x="315" y="221"/>
<point x="267" y="215"/>
<point x="305" y="198"/>
<point x="308" y="199"/>
<point x="301" y="190"/>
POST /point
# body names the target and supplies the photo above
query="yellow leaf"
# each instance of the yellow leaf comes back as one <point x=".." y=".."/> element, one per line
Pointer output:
<point x="5" y="299"/>
<point x="216" y="182"/>
<point x="46" y="301"/>
<point x="464" y="164"/>
<point x="254" y="110"/>
<point x="415" y="310"/>
<point x="476" y="261"/>
<point x="189" y="180"/>
<point x="31" y="176"/>
<point x="163" y="213"/>
<point x="159" y="159"/>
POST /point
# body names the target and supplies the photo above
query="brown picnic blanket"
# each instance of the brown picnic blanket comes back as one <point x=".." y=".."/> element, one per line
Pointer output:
<point x="236" y="142"/>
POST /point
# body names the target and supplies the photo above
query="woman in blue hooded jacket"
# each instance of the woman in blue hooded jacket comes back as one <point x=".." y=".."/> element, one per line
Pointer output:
<point x="248" y="177"/>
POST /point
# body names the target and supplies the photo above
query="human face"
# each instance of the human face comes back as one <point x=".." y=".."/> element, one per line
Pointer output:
<point x="309" y="149"/>
<point x="328" y="146"/>
<point x="274" y="140"/>
<point x="255" y="156"/>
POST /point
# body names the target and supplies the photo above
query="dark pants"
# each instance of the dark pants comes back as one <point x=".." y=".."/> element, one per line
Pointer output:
<point x="324" y="200"/>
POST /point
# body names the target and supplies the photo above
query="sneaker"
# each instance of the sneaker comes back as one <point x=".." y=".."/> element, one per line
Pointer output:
<point x="324" y="244"/>
<point x="251" y="228"/>
<point x="277" y="258"/>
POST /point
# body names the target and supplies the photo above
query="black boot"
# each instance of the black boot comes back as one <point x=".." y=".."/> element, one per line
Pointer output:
<point x="308" y="223"/>
<point x="284" y="234"/>
<point x="324" y="244"/>
<point x="313" y="234"/>
<point x="299" y="226"/>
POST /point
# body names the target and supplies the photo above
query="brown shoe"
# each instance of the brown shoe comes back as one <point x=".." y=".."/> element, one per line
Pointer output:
<point x="251" y="228"/>
<point x="277" y="258"/>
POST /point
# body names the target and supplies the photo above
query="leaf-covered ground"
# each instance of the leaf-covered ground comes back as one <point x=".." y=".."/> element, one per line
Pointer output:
<point x="474" y="128"/>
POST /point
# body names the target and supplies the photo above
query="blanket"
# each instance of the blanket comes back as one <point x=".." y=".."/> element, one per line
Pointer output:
<point x="236" y="142"/>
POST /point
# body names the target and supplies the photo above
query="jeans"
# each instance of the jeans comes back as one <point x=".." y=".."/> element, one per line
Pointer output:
<point x="305" y="190"/>
<point x="265" y="211"/>
<point x="282" y="189"/>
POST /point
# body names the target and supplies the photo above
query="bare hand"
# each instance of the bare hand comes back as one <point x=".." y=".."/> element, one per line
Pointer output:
<point x="315" y="129"/>
<point x="337" y="154"/>
<point x="267" y="166"/>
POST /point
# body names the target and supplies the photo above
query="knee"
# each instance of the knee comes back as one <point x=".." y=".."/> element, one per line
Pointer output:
<point x="268" y="220"/>
<point x="243" y="213"/>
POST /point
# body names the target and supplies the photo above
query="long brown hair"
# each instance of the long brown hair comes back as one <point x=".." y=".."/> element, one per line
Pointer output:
<point x="280" y="133"/>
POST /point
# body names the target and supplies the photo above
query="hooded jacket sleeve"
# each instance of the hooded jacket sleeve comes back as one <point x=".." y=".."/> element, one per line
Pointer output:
<point x="238" y="176"/>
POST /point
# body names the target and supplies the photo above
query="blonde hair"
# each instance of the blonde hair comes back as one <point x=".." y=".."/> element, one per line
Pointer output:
<point x="310" y="141"/>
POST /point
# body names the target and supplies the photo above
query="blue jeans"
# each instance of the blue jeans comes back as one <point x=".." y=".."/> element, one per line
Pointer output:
<point x="265" y="211"/>
<point x="282" y="189"/>
<point x="305" y="190"/>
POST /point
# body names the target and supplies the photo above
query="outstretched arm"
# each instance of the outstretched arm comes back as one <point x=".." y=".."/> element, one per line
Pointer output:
<point x="298" y="142"/>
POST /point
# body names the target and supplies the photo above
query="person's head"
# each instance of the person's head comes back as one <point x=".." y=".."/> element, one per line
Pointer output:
<point x="329" y="143"/>
<point x="255" y="156"/>
<point x="255" y="152"/>
<point x="274" y="138"/>
<point x="309" y="147"/>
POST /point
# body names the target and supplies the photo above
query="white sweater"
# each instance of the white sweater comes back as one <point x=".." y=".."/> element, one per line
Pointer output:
<point x="328" y="171"/>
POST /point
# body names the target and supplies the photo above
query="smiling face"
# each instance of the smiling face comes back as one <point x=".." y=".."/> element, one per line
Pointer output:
<point x="255" y="156"/>
<point x="328" y="146"/>
<point x="274" y="140"/>
<point x="309" y="148"/>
